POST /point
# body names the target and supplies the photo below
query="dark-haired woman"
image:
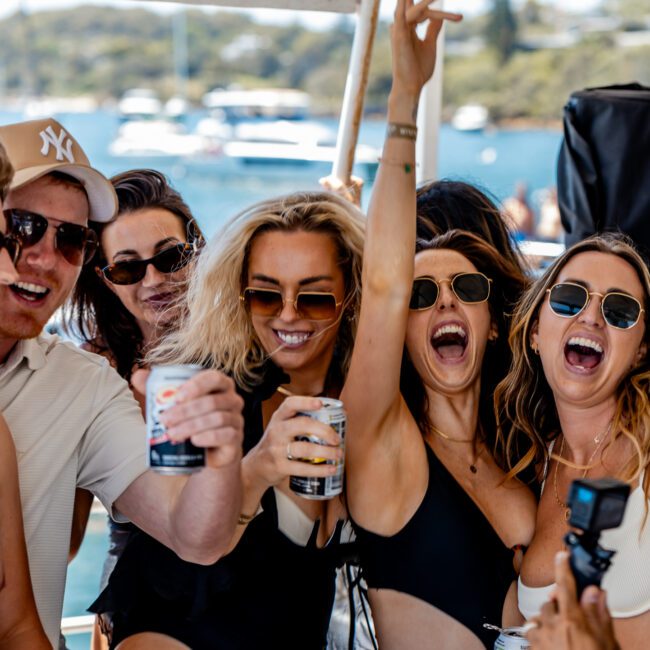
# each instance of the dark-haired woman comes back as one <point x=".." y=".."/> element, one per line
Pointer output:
<point x="434" y="515"/>
<point x="446" y="205"/>
<point x="125" y="301"/>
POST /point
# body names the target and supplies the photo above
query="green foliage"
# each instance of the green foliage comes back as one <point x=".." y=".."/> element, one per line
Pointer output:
<point x="103" y="52"/>
<point x="501" y="30"/>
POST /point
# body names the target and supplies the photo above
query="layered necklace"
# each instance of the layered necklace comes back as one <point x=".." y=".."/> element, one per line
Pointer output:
<point x="472" y="465"/>
<point x="598" y="441"/>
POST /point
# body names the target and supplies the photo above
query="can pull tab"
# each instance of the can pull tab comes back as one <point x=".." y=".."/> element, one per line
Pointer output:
<point x="496" y="628"/>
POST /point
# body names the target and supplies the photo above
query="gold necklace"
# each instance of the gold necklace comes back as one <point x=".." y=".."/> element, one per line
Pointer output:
<point x="444" y="436"/>
<point x="599" y="441"/>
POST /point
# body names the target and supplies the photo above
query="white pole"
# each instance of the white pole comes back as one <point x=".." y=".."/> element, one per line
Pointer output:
<point x="429" y="116"/>
<point x="355" y="89"/>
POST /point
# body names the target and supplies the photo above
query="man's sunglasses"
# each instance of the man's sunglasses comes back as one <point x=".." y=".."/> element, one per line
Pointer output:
<point x="168" y="260"/>
<point x="76" y="243"/>
<point x="619" y="310"/>
<point x="469" y="288"/>
<point x="310" y="305"/>
<point x="12" y="246"/>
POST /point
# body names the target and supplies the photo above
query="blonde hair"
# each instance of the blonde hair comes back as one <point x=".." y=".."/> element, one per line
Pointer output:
<point x="526" y="414"/>
<point x="216" y="329"/>
<point x="6" y="173"/>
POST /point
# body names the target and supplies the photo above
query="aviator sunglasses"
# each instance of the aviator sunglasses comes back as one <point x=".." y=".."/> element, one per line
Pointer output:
<point x="76" y="243"/>
<point x="168" y="260"/>
<point x="619" y="310"/>
<point x="469" y="288"/>
<point x="310" y="305"/>
<point x="12" y="246"/>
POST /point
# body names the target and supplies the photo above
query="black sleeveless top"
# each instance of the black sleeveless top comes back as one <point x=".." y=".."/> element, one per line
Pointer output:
<point x="267" y="593"/>
<point x="447" y="555"/>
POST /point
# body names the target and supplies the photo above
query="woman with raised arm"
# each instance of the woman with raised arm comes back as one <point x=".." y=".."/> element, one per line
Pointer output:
<point x="575" y="405"/>
<point x="273" y="301"/>
<point x="434" y="515"/>
<point x="20" y="626"/>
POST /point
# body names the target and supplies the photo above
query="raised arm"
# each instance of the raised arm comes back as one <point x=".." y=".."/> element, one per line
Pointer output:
<point x="195" y="516"/>
<point x="371" y="392"/>
<point x="20" y="626"/>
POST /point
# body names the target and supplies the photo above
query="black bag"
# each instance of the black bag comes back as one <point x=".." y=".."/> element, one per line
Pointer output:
<point x="603" y="174"/>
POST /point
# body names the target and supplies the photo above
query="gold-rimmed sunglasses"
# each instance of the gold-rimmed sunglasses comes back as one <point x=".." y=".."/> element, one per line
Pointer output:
<point x="620" y="310"/>
<point x="310" y="305"/>
<point x="469" y="288"/>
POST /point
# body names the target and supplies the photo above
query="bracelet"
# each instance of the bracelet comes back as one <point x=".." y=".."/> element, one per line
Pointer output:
<point x="244" y="520"/>
<point x="407" y="131"/>
<point x="407" y="167"/>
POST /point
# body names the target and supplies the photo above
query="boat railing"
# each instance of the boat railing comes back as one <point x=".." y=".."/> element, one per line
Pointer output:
<point x="71" y="625"/>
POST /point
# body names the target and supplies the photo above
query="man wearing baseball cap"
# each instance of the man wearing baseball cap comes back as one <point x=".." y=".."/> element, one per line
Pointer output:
<point x="74" y="420"/>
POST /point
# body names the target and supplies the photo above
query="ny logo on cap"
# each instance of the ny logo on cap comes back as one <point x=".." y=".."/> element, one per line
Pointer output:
<point x="62" y="144"/>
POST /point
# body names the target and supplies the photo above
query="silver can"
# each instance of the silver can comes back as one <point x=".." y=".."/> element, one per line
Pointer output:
<point x="332" y="414"/>
<point x="164" y="456"/>
<point x="512" y="638"/>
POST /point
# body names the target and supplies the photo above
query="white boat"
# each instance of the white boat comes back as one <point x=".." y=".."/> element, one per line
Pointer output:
<point x="139" y="104"/>
<point x="470" y="117"/>
<point x="156" y="138"/>
<point x="272" y="127"/>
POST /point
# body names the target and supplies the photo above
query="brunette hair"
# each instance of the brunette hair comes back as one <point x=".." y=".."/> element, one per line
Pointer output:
<point x="526" y="412"/>
<point x="95" y="313"/>
<point x="446" y="205"/>
<point x="508" y="283"/>
<point x="216" y="329"/>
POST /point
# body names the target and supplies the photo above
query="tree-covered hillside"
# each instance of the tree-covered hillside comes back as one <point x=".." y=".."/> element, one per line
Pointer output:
<point x="103" y="52"/>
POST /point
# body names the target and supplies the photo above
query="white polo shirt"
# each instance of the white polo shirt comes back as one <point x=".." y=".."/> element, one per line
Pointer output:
<point x="75" y="423"/>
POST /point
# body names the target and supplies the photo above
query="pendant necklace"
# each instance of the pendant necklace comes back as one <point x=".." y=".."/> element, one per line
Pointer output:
<point x="444" y="436"/>
<point x="598" y="440"/>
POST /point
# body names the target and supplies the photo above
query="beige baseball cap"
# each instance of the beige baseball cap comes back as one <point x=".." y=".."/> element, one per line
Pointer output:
<point x="38" y="147"/>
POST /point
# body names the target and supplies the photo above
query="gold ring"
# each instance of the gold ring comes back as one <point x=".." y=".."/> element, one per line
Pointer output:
<point x="289" y="456"/>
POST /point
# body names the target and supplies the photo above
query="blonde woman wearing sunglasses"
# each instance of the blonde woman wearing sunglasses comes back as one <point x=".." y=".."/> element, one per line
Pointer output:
<point x="577" y="395"/>
<point x="435" y="519"/>
<point x="273" y="301"/>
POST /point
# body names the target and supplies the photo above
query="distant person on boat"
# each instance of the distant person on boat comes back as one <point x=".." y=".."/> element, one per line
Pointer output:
<point x="437" y="523"/>
<point x="272" y="301"/>
<point x="20" y="626"/>
<point x="74" y="421"/>
<point x="576" y="399"/>
<point x="130" y="295"/>
<point x="518" y="211"/>
<point x="550" y="221"/>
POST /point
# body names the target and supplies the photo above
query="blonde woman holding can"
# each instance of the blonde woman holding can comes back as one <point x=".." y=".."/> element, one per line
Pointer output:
<point x="273" y="302"/>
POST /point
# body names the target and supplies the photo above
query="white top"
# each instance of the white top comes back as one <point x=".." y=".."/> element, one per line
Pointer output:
<point x="75" y="423"/>
<point x="627" y="581"/>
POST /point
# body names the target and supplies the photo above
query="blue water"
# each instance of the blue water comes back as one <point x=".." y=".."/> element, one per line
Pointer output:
<point x="496" y="160"/>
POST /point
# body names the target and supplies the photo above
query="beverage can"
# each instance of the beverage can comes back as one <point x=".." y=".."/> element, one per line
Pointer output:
<point x="332" y="414"/>
<point x="512" y="638"/>
<point x="163" y="455"/>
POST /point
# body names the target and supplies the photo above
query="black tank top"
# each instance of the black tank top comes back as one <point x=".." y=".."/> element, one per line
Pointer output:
<point x="267" y="593"/>
<point x="447" y="555"/>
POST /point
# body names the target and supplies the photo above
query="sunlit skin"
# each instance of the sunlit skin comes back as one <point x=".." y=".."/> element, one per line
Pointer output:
<point x="140" y="235"/>
<point x="7" y="269"/>
<point x="41" y="264"/>
<point x="441" y="375"/>
<point x="574" y="387"/>
<point x="293" y="262"/>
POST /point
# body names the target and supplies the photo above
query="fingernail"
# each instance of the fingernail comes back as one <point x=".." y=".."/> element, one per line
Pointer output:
<point x="592" y="596"/>
<point x="560" y="556"/>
